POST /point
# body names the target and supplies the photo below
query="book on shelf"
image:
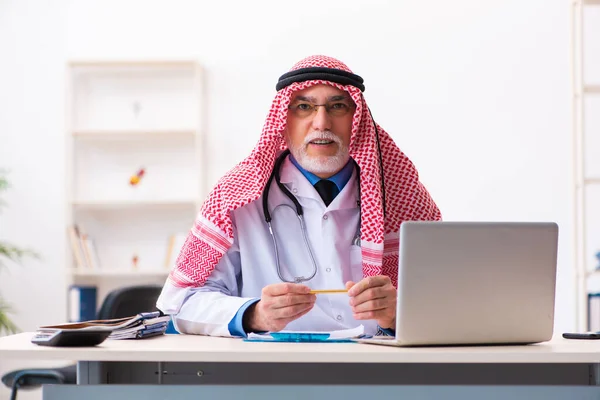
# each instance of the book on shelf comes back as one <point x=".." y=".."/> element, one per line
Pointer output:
<point x="84" y="249"/>
<point x="89" y="252"/>
<point x="174" y="246"/>
<point x="76" y="246"/>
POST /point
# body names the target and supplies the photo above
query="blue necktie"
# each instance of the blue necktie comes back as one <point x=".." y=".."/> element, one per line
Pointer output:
<point x="327" y="190"/>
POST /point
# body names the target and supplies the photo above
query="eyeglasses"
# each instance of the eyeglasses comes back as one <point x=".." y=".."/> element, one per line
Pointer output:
<point x="304" y="109"/>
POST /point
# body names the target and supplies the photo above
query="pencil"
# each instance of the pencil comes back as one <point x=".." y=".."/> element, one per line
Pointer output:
<point x="328" y="291"/>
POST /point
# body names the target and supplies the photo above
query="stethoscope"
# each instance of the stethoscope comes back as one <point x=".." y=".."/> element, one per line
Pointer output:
<point x="299" y="213"/>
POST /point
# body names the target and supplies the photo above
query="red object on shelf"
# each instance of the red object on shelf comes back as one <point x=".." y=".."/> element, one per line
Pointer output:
<point x="135" y="179"/>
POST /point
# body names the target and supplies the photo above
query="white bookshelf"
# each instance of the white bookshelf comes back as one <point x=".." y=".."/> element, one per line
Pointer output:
<point x="125" y="117"/>
<point x="585" y="62"/>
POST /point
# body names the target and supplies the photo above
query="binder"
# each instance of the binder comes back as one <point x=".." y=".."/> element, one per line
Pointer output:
<point x="593" y="312"/>
<point x="81" y="303"/>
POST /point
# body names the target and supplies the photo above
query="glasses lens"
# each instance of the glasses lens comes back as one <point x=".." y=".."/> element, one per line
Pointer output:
<point x="302" y="109"/>
<point x="338" y="109"/>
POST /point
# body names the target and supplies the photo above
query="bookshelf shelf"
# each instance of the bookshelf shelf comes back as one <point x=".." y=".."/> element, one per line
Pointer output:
<point x="593" y="273"/>
<point x="592" y="89"/>
<point x="135" y="168"/>
<point x="102" y="65"/>
<point x="123" y="272"/>
<point x="122" y="204"/>
<point x="147" y="134"/>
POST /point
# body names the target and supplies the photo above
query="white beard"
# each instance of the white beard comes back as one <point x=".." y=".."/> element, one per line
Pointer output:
<point x="321" y="164"/>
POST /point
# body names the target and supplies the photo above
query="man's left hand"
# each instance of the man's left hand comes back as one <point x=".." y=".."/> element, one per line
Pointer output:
<point x="374" y="297"/>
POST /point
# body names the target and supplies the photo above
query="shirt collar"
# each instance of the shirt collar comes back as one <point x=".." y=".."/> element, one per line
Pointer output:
<point x="340" y="178"/>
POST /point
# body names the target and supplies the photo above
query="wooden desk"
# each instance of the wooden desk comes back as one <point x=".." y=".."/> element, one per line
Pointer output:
<point x="187" y="363"/>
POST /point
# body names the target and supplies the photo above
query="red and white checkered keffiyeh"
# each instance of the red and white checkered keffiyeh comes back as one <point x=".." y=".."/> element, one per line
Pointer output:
<point x="406" y="197"/>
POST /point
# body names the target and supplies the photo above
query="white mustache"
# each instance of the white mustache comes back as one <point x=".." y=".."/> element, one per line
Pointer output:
<point x="322" y="135"/>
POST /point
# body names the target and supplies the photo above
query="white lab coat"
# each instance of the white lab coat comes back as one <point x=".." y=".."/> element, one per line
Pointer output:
<point x="249" y="264"/>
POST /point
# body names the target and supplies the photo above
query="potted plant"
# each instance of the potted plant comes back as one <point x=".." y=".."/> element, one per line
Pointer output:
<point x="12" y="254"/>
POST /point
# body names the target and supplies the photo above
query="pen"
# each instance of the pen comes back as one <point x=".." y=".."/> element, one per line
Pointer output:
<point x="328" y="291"/>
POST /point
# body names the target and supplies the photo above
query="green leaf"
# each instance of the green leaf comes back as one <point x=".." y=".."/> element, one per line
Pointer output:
<point x="12" y="253"/>
<point x="6" y="325"/>
<point x="3" y="182"/>
<point x="15" y="254"/>
<point x="3" y="186"/>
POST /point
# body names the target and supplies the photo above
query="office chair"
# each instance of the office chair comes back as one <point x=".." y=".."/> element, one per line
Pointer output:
<point x="120" y="303"/>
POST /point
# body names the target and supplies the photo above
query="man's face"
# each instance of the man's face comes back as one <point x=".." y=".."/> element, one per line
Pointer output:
<point x="319" y="138"/>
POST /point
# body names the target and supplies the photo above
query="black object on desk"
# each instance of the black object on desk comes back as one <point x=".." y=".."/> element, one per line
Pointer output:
<point x="70" y="337"/>
<point x="581" y="335"/>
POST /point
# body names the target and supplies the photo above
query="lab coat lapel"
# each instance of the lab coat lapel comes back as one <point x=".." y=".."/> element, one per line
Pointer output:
<point x="299" y="186"/>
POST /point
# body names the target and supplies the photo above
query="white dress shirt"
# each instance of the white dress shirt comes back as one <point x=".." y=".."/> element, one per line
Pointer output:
<point x="249" y="265"/>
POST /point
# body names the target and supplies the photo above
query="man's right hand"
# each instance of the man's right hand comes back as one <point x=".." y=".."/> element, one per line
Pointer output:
<point x="279" y="304"/>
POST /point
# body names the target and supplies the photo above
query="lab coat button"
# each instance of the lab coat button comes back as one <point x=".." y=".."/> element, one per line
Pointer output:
<point x="328" y="270"/>
<point x="295" y="190"/>
<point x="339" y="317"/>
<point x="325" y="216"/>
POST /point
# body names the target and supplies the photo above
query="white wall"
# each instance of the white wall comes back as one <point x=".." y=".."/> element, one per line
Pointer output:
<point x="476" y="93"/>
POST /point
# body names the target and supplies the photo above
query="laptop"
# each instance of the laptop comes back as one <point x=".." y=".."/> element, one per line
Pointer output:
<point x="474" y="283"/>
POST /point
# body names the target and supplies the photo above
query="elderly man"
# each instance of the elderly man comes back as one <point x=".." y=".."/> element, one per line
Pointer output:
<point x="317" y="205"/>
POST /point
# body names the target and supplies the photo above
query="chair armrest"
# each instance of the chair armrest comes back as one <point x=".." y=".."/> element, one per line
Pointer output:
<point x="32" y="378"/>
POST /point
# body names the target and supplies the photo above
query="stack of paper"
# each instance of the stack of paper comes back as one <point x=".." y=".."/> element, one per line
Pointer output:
<point x="343" y="335"/>
<point x="140" y="326"/>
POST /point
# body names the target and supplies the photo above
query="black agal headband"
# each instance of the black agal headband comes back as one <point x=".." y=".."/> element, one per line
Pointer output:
<point x="320" y="73"/>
